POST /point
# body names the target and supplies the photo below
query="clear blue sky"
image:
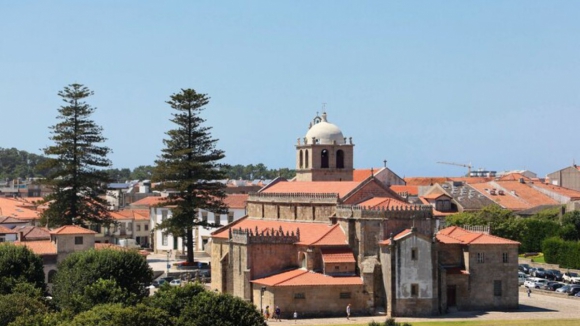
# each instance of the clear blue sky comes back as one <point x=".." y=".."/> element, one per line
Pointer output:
<point x="494" y="83"/>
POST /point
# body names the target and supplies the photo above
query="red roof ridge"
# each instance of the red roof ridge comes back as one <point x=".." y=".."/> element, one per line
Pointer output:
<point x="326" y="233"/>
<point x="304" y="271"/>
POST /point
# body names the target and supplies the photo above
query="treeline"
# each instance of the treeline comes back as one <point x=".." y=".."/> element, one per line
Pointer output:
<point x="15" y="163"/>
<point x="564" y="253"/>
<point x="529" y="231"/>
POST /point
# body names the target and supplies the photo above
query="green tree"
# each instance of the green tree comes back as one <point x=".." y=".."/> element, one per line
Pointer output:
<point x="79" y="279"/>
<point x="117" y="314"/>
<point x="142" y="172"/>
<point x="118" y="175"/>
<point x="19" y="304"/>
<point x="211" y="308"/>
<point x="174" y="299"/>
<point x="189" y="165"/>
<point x="76" y="160"/>
<point x="18" y="264"/>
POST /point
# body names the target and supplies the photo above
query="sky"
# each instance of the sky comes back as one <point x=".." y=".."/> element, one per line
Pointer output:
<point x="494" y="84"/>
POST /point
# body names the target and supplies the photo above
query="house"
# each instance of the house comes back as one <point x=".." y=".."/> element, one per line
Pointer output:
<point x="165" y="242"/>
<point x="568" y="177"/>
<point x="325" y="240"/>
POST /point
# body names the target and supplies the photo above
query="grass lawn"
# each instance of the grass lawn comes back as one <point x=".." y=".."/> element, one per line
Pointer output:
<point x="539" y="322"/>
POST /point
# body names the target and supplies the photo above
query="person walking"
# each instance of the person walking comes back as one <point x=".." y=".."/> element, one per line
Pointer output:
<point x="348" y="311"/>
<point x="277" y="312"/>
<point x="295" y="315"/>
<point x="529" y="292"/>
<point x="267" y="313"/>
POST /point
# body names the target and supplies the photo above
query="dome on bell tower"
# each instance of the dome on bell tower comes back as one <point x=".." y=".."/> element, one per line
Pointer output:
<point x="324" y="132"/>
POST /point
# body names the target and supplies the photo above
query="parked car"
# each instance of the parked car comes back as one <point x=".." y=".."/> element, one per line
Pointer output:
<point x="539" y="272"/>
<point x="570" y="277"/>
<point x="175" y="282"/>
<point x="553" y="274"/>
<point x="571" y="289"/>
<point x="535" y="282"/>
<point x="552" y="286"/>
<point x="521" y="278"/>
<point x="524" y="268"/>
<point x="575" y="289"/>
<point x="159" y="282"/>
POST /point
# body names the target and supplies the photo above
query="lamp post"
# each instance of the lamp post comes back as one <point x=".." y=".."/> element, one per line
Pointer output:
<point x="168" y="255"/>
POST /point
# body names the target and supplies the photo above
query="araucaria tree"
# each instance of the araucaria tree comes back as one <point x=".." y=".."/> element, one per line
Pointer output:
<point x="189" y="166"/>
<point x="76" y="161"/>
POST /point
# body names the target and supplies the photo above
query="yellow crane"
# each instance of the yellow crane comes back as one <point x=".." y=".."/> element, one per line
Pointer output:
<point x="468" y="166"/>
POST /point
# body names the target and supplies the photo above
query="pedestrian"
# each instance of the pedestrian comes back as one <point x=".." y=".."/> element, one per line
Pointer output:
<point x="277" y="312"/>
<point x="348" y="311"/>
<point x="295" y="315"/>
<point x="267" y="313"/>
<point x="529" y="292"/>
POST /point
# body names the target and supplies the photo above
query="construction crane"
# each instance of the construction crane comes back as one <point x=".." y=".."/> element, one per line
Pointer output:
<point x="468" y="166"/>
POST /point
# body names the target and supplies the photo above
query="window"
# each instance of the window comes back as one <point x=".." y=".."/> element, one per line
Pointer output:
<point x="306" y="159"/>
<point x="504" y="257"/>
<point x="138" y="226"/>
<point x="146" y="227"/>
<point x="230" y="217"/>
<point x="497" y="288"/>
<point x="480" y="257"/>
<point x="299" y="296"/>
<point x="130" y="226"/>
<point x="204" y="217"/>
<point x="345" y="295"/>
<point x="414" y="254"/>
<point x="2" y="239"/>
<point x="163" y="215"/>
<point x="336" y="268"/>
<point x="78" y="240"/>
<point x="339" y="159"/>
<point x="217" y="219"/>
<point x="164" y="241"/>
<point x="301" y="160"/>
<point x="414" y="290"/>
<point x="324" y="159"/>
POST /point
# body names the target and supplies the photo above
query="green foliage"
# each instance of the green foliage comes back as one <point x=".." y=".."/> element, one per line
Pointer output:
<point x="571" y="226"/>
<point x="118" y="175"/>
<point x="15" y="163"/>
<point x="75" y="160"/>
<point x="564" y="253"/>
<point x="77" y="280"/>
<point x="18" y="264"/>
<point x="210" y="309"/>
<point x="549" y="214"/>
<point x="101" y="292"/>
<point x="258" y="171"/>
<point x="117" y="314"/>
<point x="535" y="231"/>
<point x="551" y="248"/>
<point x="174" y="299"/>
<point x="18" y="304"/>
<point x="43" y="319"/>
<point x="142" y="172"/>
<point x="190" y="161"/>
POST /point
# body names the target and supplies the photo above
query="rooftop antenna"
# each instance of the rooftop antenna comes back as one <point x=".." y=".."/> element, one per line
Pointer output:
<point x="385" y="163"/>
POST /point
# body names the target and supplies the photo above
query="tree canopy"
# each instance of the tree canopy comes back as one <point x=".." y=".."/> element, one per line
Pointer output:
<point x="90" y="277"/>
<point x="189" y="166"/>
<point x="18" y="264"/>
<point x="76" y="161"/>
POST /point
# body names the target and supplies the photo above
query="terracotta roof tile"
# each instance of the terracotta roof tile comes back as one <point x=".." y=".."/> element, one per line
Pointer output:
<point x="383" y="202"/>
<point x="31" y="233"/>
<point x="72" y="229"/>
<point x="516" y="196"/>
<point x="148" y="201"/>
<point x="4" y="230"/>
<point x="236" y="201"/>
<point x="396" y="237"/>
<point x="42" y="247"/>
<point x="570" y="193"/>
<point x="342" y="188"/>
<point x="334" y="237"/>
<point x="310" y="232"/>
<point x="411" y="190"/>
<point x="338" y="255"/>
<point x="360" y="175"/>
<point x="302" y="277"/>
<point x="453" y="234"/>
<point x="13" y="208"/>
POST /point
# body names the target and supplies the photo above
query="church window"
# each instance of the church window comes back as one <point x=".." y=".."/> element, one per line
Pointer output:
<point x="324" y="159"/>
<point x="299" y="295"/>
<point x="301" y="160"/>
<point x="414" y="290"/>
<point x="340" y="159"/>
<point x="306" y="159"/>
<point x="414" y="254"/>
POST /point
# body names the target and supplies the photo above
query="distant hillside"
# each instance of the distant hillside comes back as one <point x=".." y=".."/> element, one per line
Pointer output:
<point x="15" y="163"/>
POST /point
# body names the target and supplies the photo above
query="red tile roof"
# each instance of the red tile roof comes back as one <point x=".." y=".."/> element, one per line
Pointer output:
<point x="424" y="181"/>
<point x="31" y="233"/>
<point x="360" y="175"/>
<point x="149" y="201"/>
<point x="302" y="277"/>
<point x="342" y="188"/>
<point x="13" y="208"/>
<point x="337" y="255"/>
<point x="383" y="202"/>
<point x="236" y="201"/>
<point x="411" y="190"/>
<point x="516" y="196"/>
<point x="4" y="230"/>
<point x="41" y="247"/>
<point x="311" y="233"/>
<point x="396" y="237"/>
<point x="570" y="193"/>
<point x="455" y="234"/>
<point x="72" y="229"/>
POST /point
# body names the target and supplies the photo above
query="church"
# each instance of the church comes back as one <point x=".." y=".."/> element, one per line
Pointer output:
<point x="324" y="240"/>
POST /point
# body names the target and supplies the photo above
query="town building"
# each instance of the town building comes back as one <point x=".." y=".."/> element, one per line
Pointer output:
<point x="325" y="240"/>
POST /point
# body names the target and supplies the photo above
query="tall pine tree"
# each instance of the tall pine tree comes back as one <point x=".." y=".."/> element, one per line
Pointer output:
<point x="76" y="161"/>
<point x="189" y="165"/>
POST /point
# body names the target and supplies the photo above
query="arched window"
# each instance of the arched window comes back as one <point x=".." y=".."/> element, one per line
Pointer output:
<point x="339" y="159"/>
<point x="306" y="159"/>
<point x="301" y="160"/>
<point x="302" y="260"/>
<point x="324" y="159"/>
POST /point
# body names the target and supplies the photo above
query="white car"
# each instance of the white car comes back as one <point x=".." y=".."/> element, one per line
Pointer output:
<point x="570" y="277"/>
<point x="175" y="282"/>
<point x="535" y="282"/>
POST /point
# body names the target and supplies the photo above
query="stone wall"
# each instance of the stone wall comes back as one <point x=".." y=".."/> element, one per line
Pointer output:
<point x="292" y="207"/>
